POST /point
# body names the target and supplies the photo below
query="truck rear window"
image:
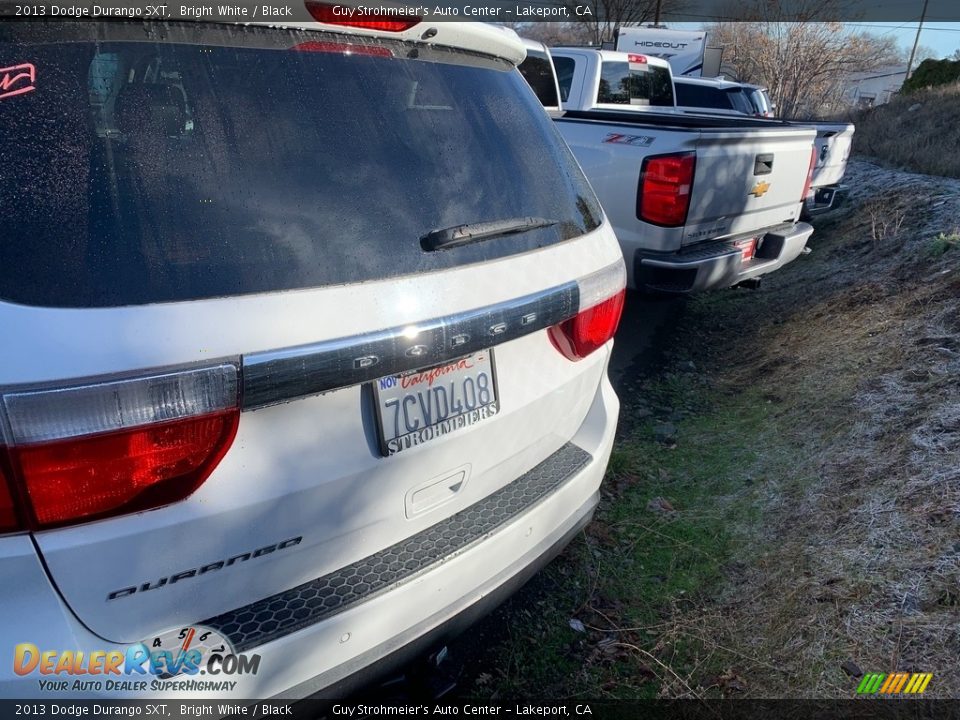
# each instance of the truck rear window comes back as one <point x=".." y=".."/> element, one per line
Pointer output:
<point x="155" y="163"/>
<point x="704" y="96"/>
<point x="622" y="86"/>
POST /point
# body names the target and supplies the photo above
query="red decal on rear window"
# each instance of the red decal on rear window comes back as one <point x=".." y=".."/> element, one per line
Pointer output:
<point x="17" y="80"/>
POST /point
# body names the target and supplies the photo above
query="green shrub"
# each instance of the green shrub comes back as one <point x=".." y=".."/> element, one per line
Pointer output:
<point x="931" y="73"/>
<point x="943" y="242"/>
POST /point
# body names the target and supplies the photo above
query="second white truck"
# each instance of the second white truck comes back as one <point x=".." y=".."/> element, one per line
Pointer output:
<point x="697" y="202"/>
<point x="833" y="142"/>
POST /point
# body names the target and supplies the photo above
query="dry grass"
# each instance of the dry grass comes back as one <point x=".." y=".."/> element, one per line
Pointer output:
<point x="858" y="557"/>
<point x="923" y="140"/>
<point x="807" y="519"/>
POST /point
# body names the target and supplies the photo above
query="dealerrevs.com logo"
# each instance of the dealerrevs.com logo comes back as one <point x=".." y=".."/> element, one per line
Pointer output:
<point x="172" y="661"/>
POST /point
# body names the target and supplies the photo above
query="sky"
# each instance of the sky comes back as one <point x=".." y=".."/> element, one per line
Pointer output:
<point x="941" y="37"/>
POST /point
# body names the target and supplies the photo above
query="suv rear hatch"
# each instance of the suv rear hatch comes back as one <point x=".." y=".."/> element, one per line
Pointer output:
<point x="204" y="219"/>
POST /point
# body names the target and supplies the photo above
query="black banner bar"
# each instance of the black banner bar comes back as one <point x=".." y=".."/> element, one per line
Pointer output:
<point x="497" y="11"/>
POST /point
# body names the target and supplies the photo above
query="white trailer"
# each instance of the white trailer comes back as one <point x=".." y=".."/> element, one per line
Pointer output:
<point x="683" y="49"/>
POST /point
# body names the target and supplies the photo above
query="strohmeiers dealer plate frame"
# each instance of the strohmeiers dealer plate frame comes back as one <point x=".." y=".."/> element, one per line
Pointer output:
<point x="423" y="396"/>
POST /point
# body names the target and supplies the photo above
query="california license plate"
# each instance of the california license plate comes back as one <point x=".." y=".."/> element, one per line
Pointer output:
<point x="417" y="407"/>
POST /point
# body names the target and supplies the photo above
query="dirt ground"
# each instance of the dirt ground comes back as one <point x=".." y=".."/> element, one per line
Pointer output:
<point x="782" y="513"/>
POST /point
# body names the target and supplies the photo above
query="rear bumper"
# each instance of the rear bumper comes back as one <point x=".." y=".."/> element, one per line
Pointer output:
<point x="382" y="662"/>
<point x="415" y="608"/>
<point x="823" y="200"/>
<point x="718" y="265"/>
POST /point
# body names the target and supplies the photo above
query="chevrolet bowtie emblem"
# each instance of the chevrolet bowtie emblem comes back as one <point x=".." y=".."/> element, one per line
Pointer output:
<point x="759" y="189"/>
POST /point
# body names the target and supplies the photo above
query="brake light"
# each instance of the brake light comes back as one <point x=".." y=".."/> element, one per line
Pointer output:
<point x="809" y="182"/>
<point x="8" y="512"/>
<point x="334" y="14"/>
<point x="666" y="182"/>
<point x="602" y="297"/>
<point x="637" y="59"/>
<point x="106" y="449"/>
<point x="342" y="49"/>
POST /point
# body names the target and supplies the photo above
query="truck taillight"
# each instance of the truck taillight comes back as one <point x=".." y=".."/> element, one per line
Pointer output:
<point x="335" y="14"/>
<point x="809" y="182"/>
<point x="636" y="59"/>
<point x="104" y="449"/>
<point x="601" y="305"/>
<point x="666" y="182"/>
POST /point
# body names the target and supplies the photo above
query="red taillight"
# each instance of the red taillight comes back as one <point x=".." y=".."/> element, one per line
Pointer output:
<point x="8" y="512"/>
<point x="114" y="447"/>
<point x="601" y="304"/>
<point x="334" y="14"/>
<point x="809" y="182"/>
<point x="82" y="479"/>
<point x="666" y="182"/>
<point x="637" y="59"/>
<point x="342" y="49"/>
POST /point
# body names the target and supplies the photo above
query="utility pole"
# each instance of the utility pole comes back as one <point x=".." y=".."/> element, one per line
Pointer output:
<point x="916" y="40"/>
<point x="656" y="15"/>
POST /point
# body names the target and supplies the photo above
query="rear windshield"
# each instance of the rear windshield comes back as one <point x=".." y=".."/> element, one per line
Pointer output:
<point x="705" y="96"/>
<point x="538" y="72"/>
<point x="639" y="85"/>
<point x="144" y="164"/>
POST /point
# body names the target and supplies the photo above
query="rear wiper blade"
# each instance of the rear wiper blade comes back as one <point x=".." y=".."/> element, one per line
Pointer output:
<point x="472" y="232"/>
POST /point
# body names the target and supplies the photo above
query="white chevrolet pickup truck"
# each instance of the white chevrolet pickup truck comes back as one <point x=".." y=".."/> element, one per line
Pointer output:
<point x="697" y="203"/>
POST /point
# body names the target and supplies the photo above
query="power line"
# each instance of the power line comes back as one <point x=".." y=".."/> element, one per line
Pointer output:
<point x="926" y="27"/>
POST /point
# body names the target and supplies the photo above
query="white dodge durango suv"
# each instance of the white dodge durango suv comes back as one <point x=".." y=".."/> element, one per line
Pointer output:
<point x="305" y="343"/>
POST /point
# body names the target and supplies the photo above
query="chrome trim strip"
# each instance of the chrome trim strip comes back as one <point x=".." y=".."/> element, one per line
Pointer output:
<point x="276" y="376"/>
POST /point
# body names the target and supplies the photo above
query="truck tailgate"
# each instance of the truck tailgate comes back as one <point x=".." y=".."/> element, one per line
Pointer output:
<point x="747" y="180"/>
<point x="749" y="175"/>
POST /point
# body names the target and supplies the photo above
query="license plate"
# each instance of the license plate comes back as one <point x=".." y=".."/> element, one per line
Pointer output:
<point x="417" y="407"/>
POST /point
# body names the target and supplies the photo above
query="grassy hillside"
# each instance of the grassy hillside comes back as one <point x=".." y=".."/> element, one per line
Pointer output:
<point x="922" y="140"/>
<point x="781" y="513"/>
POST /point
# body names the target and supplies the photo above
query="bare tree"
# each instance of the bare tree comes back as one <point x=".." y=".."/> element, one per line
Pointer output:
<point x="805" y="65"/>
<point x="925" y="52"/>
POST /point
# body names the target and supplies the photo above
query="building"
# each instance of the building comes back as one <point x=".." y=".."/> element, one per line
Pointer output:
<point x="865" y="90"/>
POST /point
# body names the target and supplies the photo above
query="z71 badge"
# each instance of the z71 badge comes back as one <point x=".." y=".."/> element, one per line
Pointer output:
<point x="638" y="140"/>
